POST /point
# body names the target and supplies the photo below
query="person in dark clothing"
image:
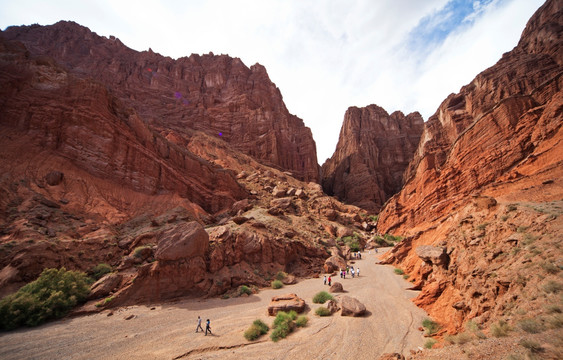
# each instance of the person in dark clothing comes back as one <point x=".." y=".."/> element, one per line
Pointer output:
<point x="207" y="327"/>
<point x="198" y="325"/>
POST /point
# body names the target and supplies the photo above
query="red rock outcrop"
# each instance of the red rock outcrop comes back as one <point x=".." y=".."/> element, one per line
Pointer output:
<point x="493" y="125"/>
<point x="488" y="168"/>
<point x="215" y="94"/>
<point x="373" y="151"/>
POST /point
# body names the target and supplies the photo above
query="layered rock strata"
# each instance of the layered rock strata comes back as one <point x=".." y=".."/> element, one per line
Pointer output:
<point x="373" y="151"/>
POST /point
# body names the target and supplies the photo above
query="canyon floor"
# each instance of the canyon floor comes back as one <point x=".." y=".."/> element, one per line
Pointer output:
<point x="168" y="330"/>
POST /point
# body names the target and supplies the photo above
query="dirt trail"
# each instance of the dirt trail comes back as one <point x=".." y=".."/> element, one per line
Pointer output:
<point x="167" y="332"/>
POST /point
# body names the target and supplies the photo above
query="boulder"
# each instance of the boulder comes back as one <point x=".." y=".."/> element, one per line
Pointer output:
<point x="332" y="305"/>
<point x="104" y="286"/>
<point x="336" y="288"/>
<point x="343" y="232"/>
<point x="278" y="192"/>
<point x="291" y="192"/>
<point x="300" y="193"/>
<point x="241" y="205"/>
<point x="334" y="263"/>
<point x="239" y="220"/>
<point x="433" y="255"/>
<point x="286" y="303"/>
<point x="54" y="178"/>
<point x="185" y="240"/>
<point x="289" y="280"/>
<point x="329" y="214"/>
<point x="352" y="307"/>
<point x="282" y="203"/>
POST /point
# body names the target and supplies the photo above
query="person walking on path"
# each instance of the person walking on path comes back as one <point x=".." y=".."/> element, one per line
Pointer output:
<point x="207" y="327"/>
<point x="329" y="280"/>
<point x="358" y="272"/>
<point x="352" y="271"/>
<point x="325" y="279"/>
<point x="198" y="325"/>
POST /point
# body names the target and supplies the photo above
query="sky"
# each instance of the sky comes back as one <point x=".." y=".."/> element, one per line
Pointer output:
<point x="324" y="56"/>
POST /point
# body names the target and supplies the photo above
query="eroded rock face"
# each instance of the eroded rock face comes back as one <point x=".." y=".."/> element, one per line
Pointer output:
<point x="286" y="303"/>
<point x="187" y="240"/>
<point x="216" y="94"/>
<point x="373" y="151"/>
<point x="479" y="136"/>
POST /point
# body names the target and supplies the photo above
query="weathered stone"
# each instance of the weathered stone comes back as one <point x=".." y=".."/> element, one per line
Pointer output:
<point x="334" y="263"/>
<point x="332" y="306"/>
<point x="54" y="178"/>
<point x="278" y="192"/>
<point x="185" y="240"/>
<point x="336" y="287"/>
<point x="433" y="255"/>
<point x="351" y="306"/>
<point x="104" y="286"/>
<point x="286" y="303"/>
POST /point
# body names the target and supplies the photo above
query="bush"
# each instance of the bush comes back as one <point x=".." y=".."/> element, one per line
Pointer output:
<point x="244" y="290"/>
<point x="322" y="297"/>
<point x="399" y="271"/>
<point x="552" y="287"/>
<point x="550" y="267"/>
<point x="531" y="326"/>
<point x="138" y="250"/>
<point x="323" y="311"/>
<point x="460" y="339"/>
<point x="531" y="345"/>
<point x="431" y="326"/>
<point x="281" y="275"/>
<point x="100" y="270"/>
<point x="556" y="321"/>
<point x="276" y="284"/>
<point x="257" y="329"/>
<point x="474" y="328"/>
<point x="302" y="321"/>
<point x="500" y="329"/>
<point x="51" y="296"/>
<point x="429" y="343"/>
<point x="283" y="325"/>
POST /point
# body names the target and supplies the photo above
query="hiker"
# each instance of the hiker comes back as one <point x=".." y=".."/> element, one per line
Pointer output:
<point x="208" y="328"/>
<point x="359" y="255"/>
<point x="352" y="271"/>
<point x="347" y="270"/>
<point x="340" y="272"/>
<point x="198" y="325"/>
<point x="358" y="272"/>
<point x="325" y="279"/>
<point x="344" y="273"/>
<point x="329" y="280"/>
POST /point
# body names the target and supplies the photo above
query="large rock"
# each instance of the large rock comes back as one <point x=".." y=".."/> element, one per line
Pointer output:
<point x="351" y="306"/>
<point x="334" y="263"/>
<point x="104" y="286"/>
<point x="433" y="255"/>
<point x="336" y="287"/>
<point x="373" y="151"/>
<point x="184" y="241"/>
<point x="286" y="303"/>
<point x="54" y="178"/>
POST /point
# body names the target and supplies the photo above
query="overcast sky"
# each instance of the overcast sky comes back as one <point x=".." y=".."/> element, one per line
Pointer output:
<point x="325" y="56"/>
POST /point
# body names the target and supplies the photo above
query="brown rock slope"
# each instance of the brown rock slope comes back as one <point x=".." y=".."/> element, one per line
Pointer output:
<point x="87" y="180"/>
<point x="373" y="151"/>
<point x="215" y="94"/>
<point x="485" y="187"/>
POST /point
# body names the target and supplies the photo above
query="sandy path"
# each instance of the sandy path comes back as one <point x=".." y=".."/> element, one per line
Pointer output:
<point x="167" y="332"/>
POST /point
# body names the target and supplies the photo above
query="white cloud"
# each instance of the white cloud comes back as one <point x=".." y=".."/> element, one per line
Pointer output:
<point x="323" y="55"/>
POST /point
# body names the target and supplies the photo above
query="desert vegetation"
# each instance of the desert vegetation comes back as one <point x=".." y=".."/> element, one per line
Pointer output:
<point x="322" y="297"/>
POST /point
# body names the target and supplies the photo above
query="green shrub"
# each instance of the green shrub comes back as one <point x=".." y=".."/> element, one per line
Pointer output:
<point x="373" y="218"/>
<point x="283" y="325"/>
<point x="301" y="321"/>
<point x="552" y="287"/>
<point x="281" y="275"/>
<point x="276" y="284"/>
<point x="531" y="326"/>
<point x="138" y="250"/>
<point x="399" y="271"/>
<point x="555" y="321"/>
<point x="323" y="311"/>
<point x="474" y="328"/>
<point x="100" y="270"/>
<point x="406" y="276"/>
<point x="429" y="343"/>
<point x="257" y="329"/>
<point x="431" y="326"/>
<point x="550" y="267"/>
<point x="51" y="296"/>
<point x="500" y="329"/>
<point x="531" y="345"/>
<point x="244" y="290"/>
<point x="322" y="297"/>
<point x="460" y="339"/>
<point x="511" y="207"/>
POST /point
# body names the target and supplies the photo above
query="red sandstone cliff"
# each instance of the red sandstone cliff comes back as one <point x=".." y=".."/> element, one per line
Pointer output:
<point x="373" y="151"/>
<point x="481" y="207"/>
<point x="214" y="94"/>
